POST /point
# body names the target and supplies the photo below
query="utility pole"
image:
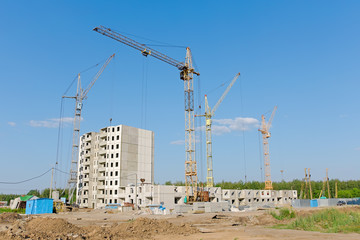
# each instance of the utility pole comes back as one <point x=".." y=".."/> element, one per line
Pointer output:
<point x="328" y="185"/>
<point x="306" y="184"/>
<point x="51" y="183"/>
<point x="282" y="175"/>
<point x="309" y="176"/>
<point x="336" y="190"/>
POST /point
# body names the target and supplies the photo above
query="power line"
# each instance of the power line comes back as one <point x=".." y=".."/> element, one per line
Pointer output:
<point x="27" y="179"/>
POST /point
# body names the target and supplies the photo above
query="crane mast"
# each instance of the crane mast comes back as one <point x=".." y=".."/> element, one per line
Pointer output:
<point x="81" y="94"/>
<point x="208" y="115"/>
<point x="265" y="127"/>
<point x="186" y="74"/>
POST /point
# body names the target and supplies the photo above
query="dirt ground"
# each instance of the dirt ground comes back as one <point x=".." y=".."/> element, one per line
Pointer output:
<point x="102" y="224"/>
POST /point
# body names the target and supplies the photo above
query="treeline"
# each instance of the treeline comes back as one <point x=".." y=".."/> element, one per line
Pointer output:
<point x="45" y="193"/>
<point x="8" y="197"/>
<point x="346" y="189"/>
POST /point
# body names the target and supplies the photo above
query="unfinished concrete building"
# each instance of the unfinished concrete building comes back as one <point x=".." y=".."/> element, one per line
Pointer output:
<point x="111" y="159"/>
<point x="172" y="197"/>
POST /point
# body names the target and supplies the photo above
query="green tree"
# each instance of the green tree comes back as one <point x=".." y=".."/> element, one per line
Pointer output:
<point x="34" y="192"/>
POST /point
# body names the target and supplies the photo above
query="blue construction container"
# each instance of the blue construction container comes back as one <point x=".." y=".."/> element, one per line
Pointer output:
<point x="39" y="206"/>
<point x="313" y="203"/>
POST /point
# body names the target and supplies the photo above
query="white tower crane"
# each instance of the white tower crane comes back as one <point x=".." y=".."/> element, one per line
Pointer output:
<point x="208" y="115"/>
<point x="81" y="94"/>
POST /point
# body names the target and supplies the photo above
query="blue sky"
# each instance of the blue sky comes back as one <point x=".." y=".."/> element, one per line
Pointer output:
<point x="302" y="56"/>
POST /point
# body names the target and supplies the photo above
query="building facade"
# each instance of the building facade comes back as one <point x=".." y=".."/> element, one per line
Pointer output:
<point x="111" y="159"/>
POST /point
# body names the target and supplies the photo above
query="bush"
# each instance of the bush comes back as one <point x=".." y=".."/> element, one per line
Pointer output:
<point x="21" y="211"/>
<point x="330" y="221"/>
<point x="284" y="213"/>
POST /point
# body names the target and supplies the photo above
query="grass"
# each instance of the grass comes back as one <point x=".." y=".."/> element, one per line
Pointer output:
<point x="328" y="220"/>
<point x="20" y="211"/>
<point x="284" y="213"/>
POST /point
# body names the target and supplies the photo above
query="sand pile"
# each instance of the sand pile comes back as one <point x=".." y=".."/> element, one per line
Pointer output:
<point x="42" y="228"/>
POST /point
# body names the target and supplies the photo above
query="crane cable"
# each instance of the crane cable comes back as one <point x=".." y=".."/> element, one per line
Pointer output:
<point x="198" y="125"/>
<point x="59" y="138"/>
<point x="144" y="83"/>
<point x="112" y="91"/>
<point x="243" y="130"/>
<point x="260" y="158"/>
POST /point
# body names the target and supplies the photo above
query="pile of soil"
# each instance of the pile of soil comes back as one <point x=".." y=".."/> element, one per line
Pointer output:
<point x="9" y="217"/>
<point x="49" y="228"/>
<point x="42" y="228"/>
<point x="144" y="228"/>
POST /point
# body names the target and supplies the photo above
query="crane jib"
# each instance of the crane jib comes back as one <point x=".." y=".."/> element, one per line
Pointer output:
<point x="145" y="50"/>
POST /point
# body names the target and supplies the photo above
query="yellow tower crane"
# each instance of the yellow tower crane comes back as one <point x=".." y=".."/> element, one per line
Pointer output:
<point x="265" y="127"/>
<point x="208" y="115"/>
<point x="186" y="74"/>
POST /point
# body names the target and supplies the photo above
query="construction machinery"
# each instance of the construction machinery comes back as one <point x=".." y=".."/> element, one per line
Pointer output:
<point x="186" y="74"/>
<point x="265" y="127"/>
<point x="81" y="95"/>
<point x="209" y="113"/>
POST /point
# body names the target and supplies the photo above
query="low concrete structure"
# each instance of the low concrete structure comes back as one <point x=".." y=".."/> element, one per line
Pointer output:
<point x="172" y="197"/>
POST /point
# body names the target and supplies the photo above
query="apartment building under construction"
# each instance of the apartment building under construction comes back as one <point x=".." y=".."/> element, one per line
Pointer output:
<point x="109" y="160"/>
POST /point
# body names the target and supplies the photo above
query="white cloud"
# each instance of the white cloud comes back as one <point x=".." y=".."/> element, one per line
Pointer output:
<point x="178" y="142"/>
<point x="238" y="124"/>
<point x="13" y="124"/>
<point x="50" y="123"/>
<point x="219" y="130"/>
<point x="222" y="126"/>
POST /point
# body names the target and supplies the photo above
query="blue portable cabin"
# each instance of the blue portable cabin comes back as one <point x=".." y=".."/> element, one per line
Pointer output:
<point x="39" y="206"/>
<point x="314" y="203"/>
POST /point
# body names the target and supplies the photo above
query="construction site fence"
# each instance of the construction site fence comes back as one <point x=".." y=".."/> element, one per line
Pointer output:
<point x="299" y="203"/>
